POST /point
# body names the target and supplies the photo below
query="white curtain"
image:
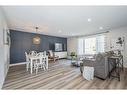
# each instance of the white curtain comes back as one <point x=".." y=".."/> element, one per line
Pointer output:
<point x="91" y="45"/>
<point x="80" y="46"/>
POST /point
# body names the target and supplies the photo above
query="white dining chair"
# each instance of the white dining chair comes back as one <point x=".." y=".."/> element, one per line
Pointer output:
<point x="44" y="62"/>
<point x="39" y="63"/>
<point x="27" y="61"/>
<point x="44" y="53"/>
<point x="33" y="53"/>
<point x="40" y="54"/>
<point x="44" y="59"/>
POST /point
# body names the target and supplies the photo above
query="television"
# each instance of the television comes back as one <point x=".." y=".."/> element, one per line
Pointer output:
<point x="58" y="47"/>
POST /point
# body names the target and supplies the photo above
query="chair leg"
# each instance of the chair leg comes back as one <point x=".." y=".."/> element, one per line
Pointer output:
<point x="36" y="69"/>
<point x="54" y="59"/>
<point x="41" y="66"/>
<point x="44" y="67"/>
<point x="27" y="66"/>
<point x="34" y="66"/>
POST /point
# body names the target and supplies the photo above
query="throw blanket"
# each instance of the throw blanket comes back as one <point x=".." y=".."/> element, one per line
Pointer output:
<point x="88" y="73"/>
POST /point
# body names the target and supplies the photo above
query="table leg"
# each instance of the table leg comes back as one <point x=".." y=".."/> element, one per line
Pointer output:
<point x="31" y="66"/>
<point x="46" y="62"/>
<point x="27" y="66"/>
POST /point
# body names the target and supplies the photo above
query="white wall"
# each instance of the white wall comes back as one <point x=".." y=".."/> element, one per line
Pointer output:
<point x="4" y="50"/>
<point x="72" y="43"/>
<point x="114" y="34"/>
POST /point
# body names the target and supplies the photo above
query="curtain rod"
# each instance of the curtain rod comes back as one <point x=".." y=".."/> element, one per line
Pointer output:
<point x="92" y="34"/>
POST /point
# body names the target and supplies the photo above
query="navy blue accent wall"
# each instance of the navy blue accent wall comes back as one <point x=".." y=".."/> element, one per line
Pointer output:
<point x="23" y="41"/>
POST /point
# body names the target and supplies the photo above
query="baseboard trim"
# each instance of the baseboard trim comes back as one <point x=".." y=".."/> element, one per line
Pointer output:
<point x="15" y="64"/>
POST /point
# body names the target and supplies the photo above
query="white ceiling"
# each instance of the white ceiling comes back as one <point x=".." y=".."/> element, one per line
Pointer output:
<point x="66" y="21"/>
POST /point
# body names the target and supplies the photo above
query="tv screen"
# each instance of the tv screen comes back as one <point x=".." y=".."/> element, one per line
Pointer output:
<point x="58" y="47"/>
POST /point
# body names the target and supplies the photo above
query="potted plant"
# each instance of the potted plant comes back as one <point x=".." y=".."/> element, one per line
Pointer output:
<point x="73" y="55"/>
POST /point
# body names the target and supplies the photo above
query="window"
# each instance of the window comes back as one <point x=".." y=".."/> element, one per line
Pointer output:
<point x="80" y="46"/>
<point x="91" y="45"/>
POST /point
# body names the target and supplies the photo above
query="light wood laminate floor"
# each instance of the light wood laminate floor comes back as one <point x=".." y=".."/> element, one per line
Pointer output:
<point x="61" y="75"/>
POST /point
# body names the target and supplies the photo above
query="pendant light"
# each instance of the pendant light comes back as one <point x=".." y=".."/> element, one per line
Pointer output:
<point x="36" y="40"/>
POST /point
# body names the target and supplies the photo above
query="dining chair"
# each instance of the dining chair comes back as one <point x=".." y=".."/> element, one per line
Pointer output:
<point x="44" y="53"/>
<point x="27" y="61"/>
<point x="44" y="59"/>
<point x="44" y="62"/>
<point x="33" y="53"/>
<point x="52" y="56"/>
<point x="40" y="54"/>
<point x="39" y="63"/>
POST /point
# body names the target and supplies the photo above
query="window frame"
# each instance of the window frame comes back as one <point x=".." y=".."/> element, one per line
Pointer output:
<point x="96" y="44"/>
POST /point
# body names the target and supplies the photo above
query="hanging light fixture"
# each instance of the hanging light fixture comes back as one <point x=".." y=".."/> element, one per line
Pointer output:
<point x="36" y="40"/>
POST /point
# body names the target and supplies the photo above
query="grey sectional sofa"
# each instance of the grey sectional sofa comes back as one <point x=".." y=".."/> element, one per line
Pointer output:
<point x="100" y="64"/>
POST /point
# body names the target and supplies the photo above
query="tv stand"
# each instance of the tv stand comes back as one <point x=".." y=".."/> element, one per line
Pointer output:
<point x="61" y="54"/>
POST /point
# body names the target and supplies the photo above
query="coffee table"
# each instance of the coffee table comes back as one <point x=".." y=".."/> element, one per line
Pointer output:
<point x="76" y="62"/>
